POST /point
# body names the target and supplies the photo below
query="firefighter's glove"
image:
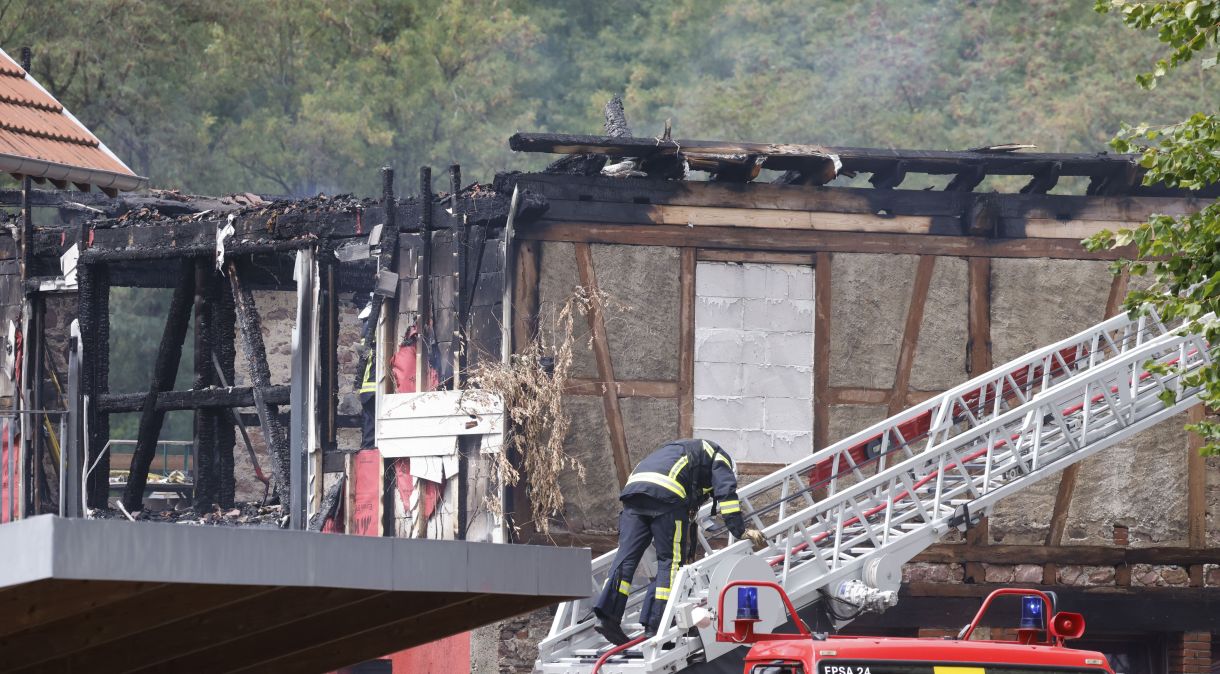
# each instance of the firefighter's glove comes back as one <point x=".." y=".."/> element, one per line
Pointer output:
<point x="756" y="538"/>
<point x="736" y="524"/>
<point x="363" y="349"/>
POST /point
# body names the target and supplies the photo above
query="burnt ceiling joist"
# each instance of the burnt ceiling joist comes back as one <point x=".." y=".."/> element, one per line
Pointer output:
<point x="1110" y="174"/>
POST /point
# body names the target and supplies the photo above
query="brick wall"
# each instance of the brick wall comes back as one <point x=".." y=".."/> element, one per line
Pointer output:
<point x="1190" y="653"/>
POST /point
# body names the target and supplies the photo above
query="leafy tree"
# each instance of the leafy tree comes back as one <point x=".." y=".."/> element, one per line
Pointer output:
<point x="1181" y="254"/>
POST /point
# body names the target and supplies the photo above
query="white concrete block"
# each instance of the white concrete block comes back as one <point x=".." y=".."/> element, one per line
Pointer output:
<point x="790" y="348"/>
<point x="777" y="281"/>
<point x="800" y="282"/>
<point x="754" y="347"/>
<point x="719" y="312"/>
<point x="756" y="447"/>
<point x="718" y="379"/>
<point x="789" y="447"/>
<point x="730" y="440"/>
<point x="779" y="381"/>
<point x="788" y="414"/>
<point x="728" y="413"/>
<point x="755" y="280"/>
<point x="717" y="345"/>
<point x="779" y="315"/>
<point x="719" y="279"/>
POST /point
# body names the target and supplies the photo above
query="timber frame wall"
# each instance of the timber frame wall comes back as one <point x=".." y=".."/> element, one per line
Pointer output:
<point x="810" y="224"/>
<point x="318" y="248"/>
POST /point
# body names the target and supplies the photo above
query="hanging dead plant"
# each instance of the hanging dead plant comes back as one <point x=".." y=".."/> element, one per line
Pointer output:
<point x="532" y="385"/>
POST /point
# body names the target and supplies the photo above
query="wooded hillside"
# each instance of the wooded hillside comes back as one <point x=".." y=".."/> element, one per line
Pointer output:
<point x="301" y="96"/>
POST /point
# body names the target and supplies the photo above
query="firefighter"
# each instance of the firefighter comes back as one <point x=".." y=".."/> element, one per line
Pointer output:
<point x="366" y="378"/>
<point x="660" y="495"/>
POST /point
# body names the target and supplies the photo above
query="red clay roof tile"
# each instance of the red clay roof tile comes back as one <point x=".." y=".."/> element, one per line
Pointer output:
<point x="40" y="138"/>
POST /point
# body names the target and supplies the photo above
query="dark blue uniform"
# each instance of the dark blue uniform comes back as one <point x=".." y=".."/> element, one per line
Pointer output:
<point x="658" y="498"/>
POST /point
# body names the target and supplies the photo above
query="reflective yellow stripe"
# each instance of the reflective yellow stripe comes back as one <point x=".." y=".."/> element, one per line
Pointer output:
<point x="678" y="466"/>
<point x="679" y="525"/>
<point x="663" y="593"/>
<point x="624" y="587"/>
<point x="725" y="459"/>
<point x="730" y="507"/>
<point x="368" y="385"/>
<point x="711" y="452"/>
<point x="661" y="480"/>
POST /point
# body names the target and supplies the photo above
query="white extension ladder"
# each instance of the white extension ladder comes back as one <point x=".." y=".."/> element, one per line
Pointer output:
<point x="842" y="521"/>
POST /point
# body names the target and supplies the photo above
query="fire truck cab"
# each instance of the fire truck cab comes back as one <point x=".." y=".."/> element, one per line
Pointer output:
<point x="1039" y="648"/>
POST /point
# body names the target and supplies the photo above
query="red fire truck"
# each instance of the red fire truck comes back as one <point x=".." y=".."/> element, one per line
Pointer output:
<point x="1038" y="649"/>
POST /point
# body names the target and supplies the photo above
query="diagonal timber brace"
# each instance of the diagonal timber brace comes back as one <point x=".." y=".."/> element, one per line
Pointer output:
<point x="250" y="327"/>
<point x="164" y="372"/>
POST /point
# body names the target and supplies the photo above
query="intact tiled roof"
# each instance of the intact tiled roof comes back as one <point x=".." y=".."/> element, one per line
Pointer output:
<point x="41" y="139"/>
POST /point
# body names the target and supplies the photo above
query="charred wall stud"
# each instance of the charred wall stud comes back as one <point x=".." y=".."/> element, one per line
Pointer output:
<point x="251" y="330"/>
<point x="207" y="453"/>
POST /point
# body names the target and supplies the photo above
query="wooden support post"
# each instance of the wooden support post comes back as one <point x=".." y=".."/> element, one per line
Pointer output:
<point x="207" y="456"/>
<point x="524" y="274"/>
<point x="978" y="341"/>
<point x="93" y="293"/>
<point x="686" y="345"/>
<point x="605" y="367"/>
<point x="260" y="377"/>
<point x="1067" y="481"/>
<point x="910" y="333"/>
<point x="1196" y="485"/>
<point x="329" y="349"/>
<point x="165" y="370"/>
<point x="525" y="298"/>
<point x="424" y="322"/>
<point x="821" y="350"/>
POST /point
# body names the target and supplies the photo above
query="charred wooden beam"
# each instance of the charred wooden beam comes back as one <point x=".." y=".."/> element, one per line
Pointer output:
<point x="1119" y="181"/>
<point x="330" y="504"/>
<point x="216" y="397"/>
<point x="207" y="456"/>
<point x="966" y="180"/>
<point x="814" y="241"/>
<point x="982" y="218"/>
<point x="743" y="170"/>
<point x="224" y="356"/>
<point x="778" y="156"/>
<point x="870" y="160"/>
<point x="1045" y="179"/>
<point x="616" y="119"/>
<point x="890" y="177"/>
<point x="164" y="372"/>
<point x="577" y="165"/>
<point x="260" y="376"/>
<point x="93" y="293"/>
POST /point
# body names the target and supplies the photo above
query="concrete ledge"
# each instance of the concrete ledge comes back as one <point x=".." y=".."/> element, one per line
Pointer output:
<point x="116" y="596"/>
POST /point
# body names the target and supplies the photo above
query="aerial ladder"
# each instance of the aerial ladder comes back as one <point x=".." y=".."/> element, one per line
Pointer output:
<point x="840" y="523"/>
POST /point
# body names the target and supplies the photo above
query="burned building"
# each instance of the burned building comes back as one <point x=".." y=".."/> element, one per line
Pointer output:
<point x="773" y="297"/>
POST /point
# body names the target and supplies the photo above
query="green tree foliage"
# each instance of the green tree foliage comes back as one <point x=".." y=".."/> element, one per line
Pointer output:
<point x="301" y="96"/>
<point x="1181" y="254"/>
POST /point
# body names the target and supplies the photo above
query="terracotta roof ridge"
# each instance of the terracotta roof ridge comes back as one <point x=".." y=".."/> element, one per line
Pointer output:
<point x="11" y="70"/>
<point x="50" y="135"/>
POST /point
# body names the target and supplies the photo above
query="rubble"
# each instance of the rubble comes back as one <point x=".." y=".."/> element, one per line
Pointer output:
<point x="243" y="515"/>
